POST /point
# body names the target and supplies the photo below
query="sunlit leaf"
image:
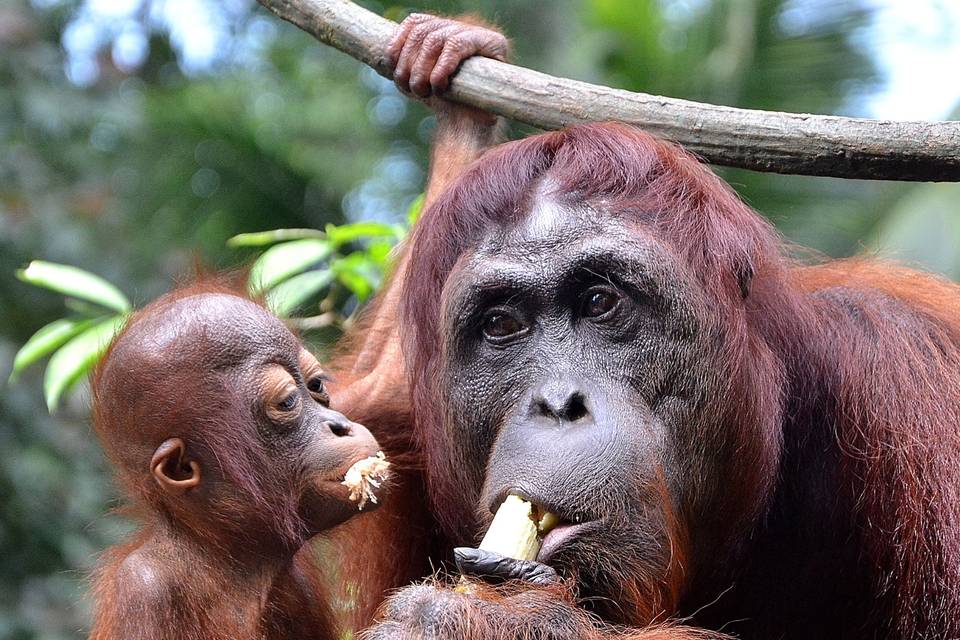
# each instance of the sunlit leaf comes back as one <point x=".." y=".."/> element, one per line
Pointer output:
<point x="289" y="295"/>
<point x="74" y="359"/>
<point x="379" y="252"/>
<point x="285" y="260"/>
<point x="358" y="273"/>
<point x="75" y="282"/>
<point x="362" y="231"/>
<point x="263" y="238"/>
<point x="46" y="340"/>
<point x="356" y="283"/>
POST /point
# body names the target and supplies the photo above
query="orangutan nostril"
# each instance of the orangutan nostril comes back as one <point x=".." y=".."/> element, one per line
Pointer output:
<point x="560" y="402"/>
<point x="338" y="428"/>
<point x="576" y="407"/>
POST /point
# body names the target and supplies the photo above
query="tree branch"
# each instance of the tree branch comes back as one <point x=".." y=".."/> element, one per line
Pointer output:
<point x="751" y="139"/>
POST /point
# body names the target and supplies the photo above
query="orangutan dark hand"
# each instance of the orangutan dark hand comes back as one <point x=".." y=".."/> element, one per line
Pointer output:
<point x="427" y="50"/>
<point x="496" y="568"/>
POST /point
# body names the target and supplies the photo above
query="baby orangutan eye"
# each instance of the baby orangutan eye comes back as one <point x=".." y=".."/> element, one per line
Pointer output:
<point x="317" y="391"/>
<point x="289" y="403"/>
<point x="281" y="397"/>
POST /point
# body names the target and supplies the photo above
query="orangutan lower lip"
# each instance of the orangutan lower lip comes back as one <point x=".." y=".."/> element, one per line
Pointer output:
<point x="556" y="538"/>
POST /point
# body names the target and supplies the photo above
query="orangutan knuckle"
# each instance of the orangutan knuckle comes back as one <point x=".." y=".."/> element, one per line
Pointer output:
<point x="435" y="616"/>
<point x="420" y="33"/>
<point x="435" y="39"/>
<point x="457" y="42"/>
<point x="430" y="611"/>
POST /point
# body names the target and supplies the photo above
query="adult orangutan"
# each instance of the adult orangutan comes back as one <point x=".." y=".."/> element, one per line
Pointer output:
<point x="594" y="321"/>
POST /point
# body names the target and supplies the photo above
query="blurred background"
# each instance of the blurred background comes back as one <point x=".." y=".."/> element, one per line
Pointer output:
<point x="136" y="136"/>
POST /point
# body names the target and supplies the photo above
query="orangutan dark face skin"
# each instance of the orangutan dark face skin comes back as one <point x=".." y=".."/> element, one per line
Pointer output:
<point x="579" y="360"/>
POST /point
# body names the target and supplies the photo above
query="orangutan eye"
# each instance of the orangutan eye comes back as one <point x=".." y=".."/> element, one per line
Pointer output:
<point x="289" y="403"/>
<point x="317" y="391"/>
<point x="500" y="326"/>
<point x="281" y="397"/>
<point x="598" y="302"/>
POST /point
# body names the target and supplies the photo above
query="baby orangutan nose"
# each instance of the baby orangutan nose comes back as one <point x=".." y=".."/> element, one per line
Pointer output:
<point x="339" y="428"/>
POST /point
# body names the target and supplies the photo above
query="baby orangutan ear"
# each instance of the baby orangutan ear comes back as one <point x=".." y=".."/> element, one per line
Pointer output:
<point x="172" y="469"/>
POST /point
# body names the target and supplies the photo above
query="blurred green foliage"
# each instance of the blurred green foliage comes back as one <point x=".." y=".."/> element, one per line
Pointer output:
<point x="344" y="264"/>
<point x="127" y="153"/>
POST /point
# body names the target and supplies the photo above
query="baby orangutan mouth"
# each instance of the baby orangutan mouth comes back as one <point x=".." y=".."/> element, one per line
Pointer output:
<point x="364" y="476"/>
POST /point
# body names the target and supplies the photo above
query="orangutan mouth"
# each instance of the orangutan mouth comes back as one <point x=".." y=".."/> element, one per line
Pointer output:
<point x="556" y="538"/>
<point x="524" y="530"/>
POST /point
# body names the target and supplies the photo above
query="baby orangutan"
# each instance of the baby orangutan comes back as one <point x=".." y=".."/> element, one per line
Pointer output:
<point x="217" y="422"/>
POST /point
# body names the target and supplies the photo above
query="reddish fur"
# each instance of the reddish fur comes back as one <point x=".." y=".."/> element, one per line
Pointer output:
<point x="199" y="588"/>
<point x="514" y="611"/>
<point x="877" y="347"/>
<point x="399" y="543"/>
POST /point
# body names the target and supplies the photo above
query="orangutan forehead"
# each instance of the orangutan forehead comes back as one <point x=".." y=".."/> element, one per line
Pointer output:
<point x="553" y="232"/>
<point x="549" y="224"/>
<point x="222" y="329"/>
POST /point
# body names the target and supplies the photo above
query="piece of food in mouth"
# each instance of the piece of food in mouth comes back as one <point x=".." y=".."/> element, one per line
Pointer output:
<point x="517" y="529"/>
<point x="365" y="476"/>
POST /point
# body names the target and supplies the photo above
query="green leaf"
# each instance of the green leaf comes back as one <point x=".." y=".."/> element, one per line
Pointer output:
<point x="263" y="238"/>
<point x="415" y="209"/>
<point x="356" y="283"/>
<point x="285" y="260"/>
<point x="71" y="281"/>
<point x="84" y="308"/>
<point x="379" y="252"/>
<point x="359" y="274"/>
<point x="289" y="295"/>
<point x="362" y="231"/>
<point x="74" y="359"/>
<point x="46" y="340"/>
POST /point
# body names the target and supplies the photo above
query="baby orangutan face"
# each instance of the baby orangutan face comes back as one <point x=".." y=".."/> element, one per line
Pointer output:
<point x="328" y="444"/>
<point x="228" y="411"/>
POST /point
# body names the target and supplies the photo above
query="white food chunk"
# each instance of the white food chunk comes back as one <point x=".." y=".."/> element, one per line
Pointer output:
<point x="365" y="476"/>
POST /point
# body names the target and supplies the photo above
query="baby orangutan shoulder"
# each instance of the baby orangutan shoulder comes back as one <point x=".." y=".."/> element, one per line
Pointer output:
<point x="217" y="423"/>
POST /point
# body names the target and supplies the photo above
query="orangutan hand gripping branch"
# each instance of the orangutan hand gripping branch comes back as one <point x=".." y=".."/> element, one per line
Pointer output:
<point x="219" y="427"/>
<point x="594" y="323"/>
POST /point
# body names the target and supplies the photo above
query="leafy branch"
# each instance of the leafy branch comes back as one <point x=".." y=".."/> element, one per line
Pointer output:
<point x="299" y="270"/>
